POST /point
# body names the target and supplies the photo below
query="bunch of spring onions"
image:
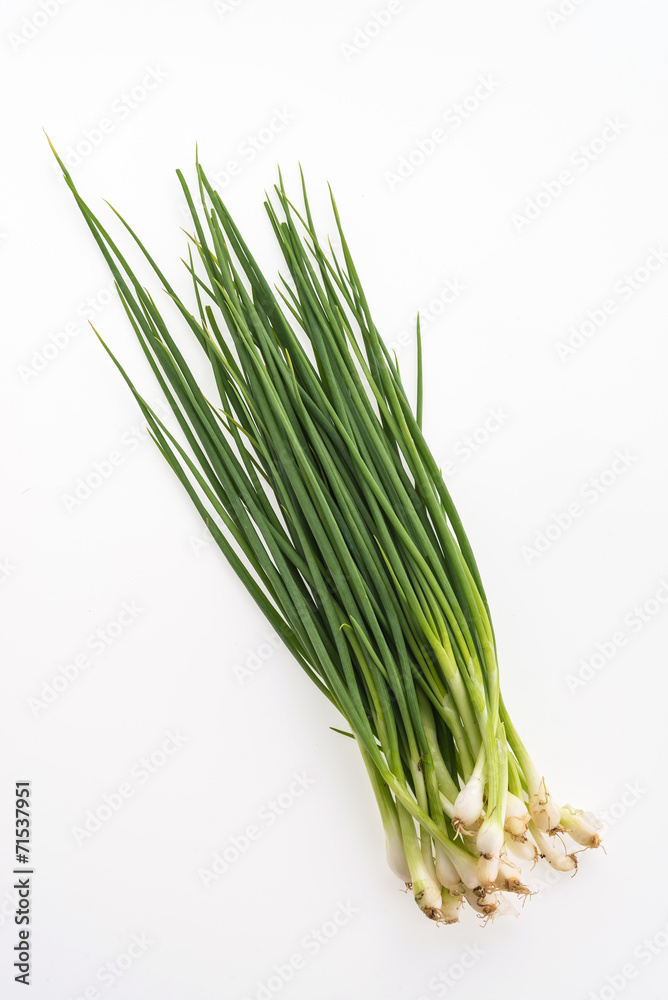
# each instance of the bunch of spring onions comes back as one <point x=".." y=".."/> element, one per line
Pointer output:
<point x="306" y="460"/>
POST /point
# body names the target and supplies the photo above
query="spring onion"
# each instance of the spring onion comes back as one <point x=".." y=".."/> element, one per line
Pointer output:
<point x="306" y="460"/>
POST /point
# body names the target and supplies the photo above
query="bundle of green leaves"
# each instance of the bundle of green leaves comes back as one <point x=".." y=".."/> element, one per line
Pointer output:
<point x="310" y="468"/>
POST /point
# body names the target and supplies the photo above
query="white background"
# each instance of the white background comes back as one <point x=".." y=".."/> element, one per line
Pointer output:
<point x="359" y="101"/>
